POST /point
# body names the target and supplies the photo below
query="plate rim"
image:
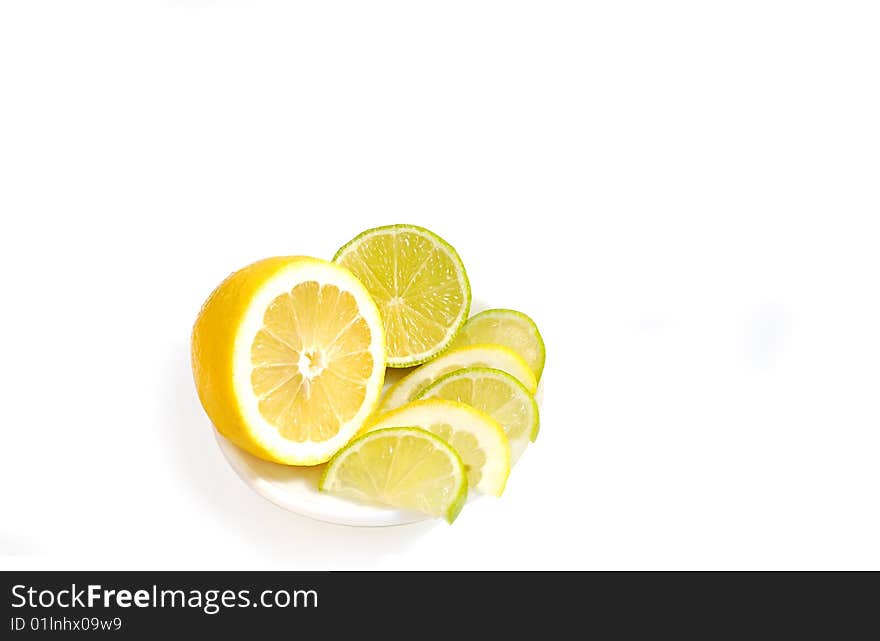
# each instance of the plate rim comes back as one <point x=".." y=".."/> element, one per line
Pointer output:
<point x="373" y="516"/>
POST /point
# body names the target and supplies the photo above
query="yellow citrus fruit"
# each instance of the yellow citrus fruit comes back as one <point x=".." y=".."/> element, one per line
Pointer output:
<point x="288" y="357"/>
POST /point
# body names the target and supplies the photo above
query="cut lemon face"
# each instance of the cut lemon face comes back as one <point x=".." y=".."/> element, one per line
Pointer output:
<point x="478" y="439"/>
<point x="509" y="328"/>
<point x="497" y="394"/>
<point x="288" y="358"/>
<point x="493" y="356"/>
<point x="419" y="283"/>
<point x="402" y="467"/>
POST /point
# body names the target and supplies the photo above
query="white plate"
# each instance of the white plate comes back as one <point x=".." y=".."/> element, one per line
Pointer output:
<point x="296" y="488"/>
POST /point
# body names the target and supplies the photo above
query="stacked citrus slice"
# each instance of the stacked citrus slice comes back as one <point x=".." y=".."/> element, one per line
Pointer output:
<point x="479" y="440"/>
<point x="509" y="328"/>
<point x="410" y="386"/>
<point x="289" y="357"/>
<point x="405" y="467"/>
<point x="497" y="394"/>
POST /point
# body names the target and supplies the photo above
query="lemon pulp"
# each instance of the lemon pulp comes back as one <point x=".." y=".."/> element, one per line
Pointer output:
<point x="311" y="361"/>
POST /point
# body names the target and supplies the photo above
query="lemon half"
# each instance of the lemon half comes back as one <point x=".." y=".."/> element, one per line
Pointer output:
<point x="289" y="358"/>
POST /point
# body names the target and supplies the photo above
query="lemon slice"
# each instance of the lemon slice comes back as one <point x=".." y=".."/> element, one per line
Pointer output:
<point x="478" y="439"/>
<point x="288" y="358"/>
<point x="403" y="467"/>
<point x="496" y="393"/>
<point x="419" y="283"/>
<point x="509" y="328"/>
<point x="494" y="356"/>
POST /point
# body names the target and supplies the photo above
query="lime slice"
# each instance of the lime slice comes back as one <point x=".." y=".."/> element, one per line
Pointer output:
<point x="419" y="284"/>
<point x="477" y="437"/>
<point x="509" y="328"/>
<point x="494" y="356"/>
<point x="496" y="393"/>
<point x="402" y="467"/>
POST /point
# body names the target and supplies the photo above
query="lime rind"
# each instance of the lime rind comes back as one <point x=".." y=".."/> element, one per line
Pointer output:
<point x="400" y="362"/>
<point x="527" y="320"/>
<point x="453" y="508"/>
<point x="457" y="504"/>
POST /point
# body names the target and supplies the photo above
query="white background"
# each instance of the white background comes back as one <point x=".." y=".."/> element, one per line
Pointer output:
<point x="683" y="194"/>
